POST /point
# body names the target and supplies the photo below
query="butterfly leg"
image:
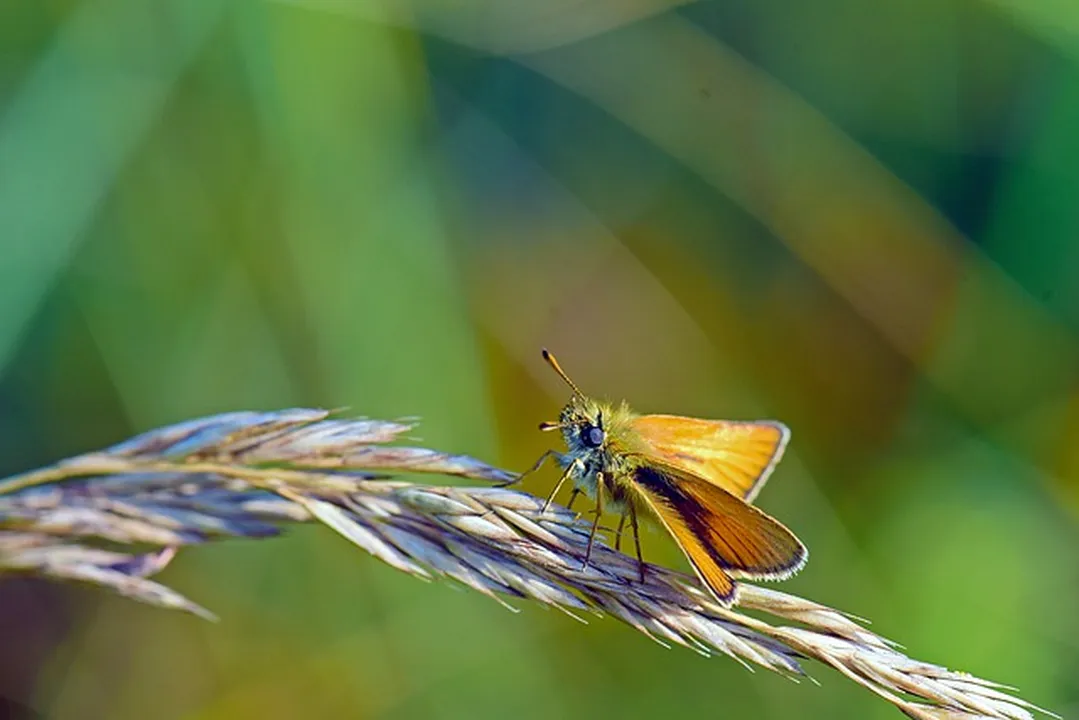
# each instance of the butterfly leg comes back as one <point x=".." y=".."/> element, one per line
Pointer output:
<point x="572" y="498"/>
<point x="618" y="532"/>
<point x="529" y="471"/>
<point x="595" y="523"/>
<point x="558" y="486"/>
<point x="636" y="539"/>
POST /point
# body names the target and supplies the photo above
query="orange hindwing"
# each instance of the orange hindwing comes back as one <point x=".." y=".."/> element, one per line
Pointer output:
<point x="722" y="536"/>
<point x="736" y="456"/>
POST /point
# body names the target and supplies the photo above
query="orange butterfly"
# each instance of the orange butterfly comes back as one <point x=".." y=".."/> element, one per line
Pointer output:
<point x="697" y="477"/>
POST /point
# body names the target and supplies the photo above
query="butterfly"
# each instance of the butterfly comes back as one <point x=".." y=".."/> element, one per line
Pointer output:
<point x="697" y="478"/>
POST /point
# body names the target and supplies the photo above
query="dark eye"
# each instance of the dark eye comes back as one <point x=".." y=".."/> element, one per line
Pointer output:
<point x="592" y="436"/>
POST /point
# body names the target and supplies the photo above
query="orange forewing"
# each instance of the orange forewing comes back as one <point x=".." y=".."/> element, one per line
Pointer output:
<point x="736" y="456"/>
<point x="721" y="535"/>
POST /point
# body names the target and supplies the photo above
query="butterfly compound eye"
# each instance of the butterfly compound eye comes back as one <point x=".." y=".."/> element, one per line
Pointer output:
<point x="592" y="436"/>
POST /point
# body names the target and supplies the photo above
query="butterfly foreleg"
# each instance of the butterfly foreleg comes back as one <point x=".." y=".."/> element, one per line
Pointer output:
<point x="538" y="464"/>
<point x="558" y="485"/>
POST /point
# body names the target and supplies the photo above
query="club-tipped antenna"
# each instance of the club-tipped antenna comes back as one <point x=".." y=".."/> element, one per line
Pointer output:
<point x="561" y="373"/>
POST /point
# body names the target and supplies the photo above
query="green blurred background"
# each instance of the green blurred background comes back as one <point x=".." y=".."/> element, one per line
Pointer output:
<point x="859" y="217"/>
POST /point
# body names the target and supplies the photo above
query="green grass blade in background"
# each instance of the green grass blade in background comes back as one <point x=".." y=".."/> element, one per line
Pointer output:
<point x="71" y="124"/>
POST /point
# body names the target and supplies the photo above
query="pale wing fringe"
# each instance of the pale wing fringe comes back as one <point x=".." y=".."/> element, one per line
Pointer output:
<point x="246" y="474"/>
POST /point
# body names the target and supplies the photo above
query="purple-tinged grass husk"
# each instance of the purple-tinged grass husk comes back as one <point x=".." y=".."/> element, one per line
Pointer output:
<point x="116" y="517"/>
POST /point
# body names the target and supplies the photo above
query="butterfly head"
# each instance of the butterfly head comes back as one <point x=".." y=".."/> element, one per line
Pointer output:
<point x="591" y="428"/>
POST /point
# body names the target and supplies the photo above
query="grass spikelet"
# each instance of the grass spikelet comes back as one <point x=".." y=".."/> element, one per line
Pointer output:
<point x="116" y="517"/>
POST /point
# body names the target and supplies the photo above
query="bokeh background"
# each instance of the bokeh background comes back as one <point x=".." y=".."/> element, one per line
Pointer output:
<point x="860" y="218"/>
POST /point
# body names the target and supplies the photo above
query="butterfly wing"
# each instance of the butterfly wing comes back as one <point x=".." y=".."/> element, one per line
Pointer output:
<point x="723" y="536"/>
<point x="736" y="456"/>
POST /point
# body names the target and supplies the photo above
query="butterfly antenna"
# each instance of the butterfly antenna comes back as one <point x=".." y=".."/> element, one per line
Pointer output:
<point x="561" y="373"/>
